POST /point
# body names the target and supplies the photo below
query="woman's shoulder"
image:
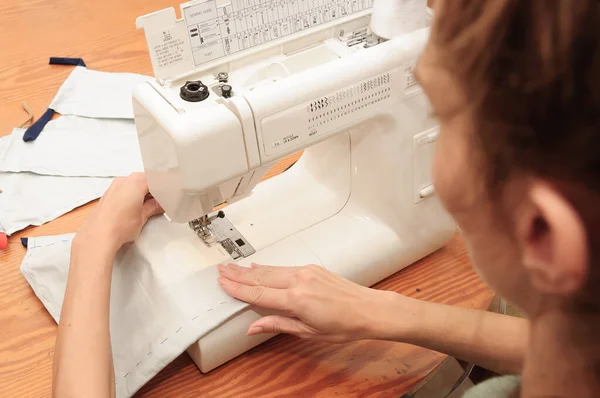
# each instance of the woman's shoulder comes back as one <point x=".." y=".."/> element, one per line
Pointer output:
<point x="497" y="387"/>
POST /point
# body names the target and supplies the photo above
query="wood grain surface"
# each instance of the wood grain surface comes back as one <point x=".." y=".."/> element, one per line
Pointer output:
<point x="103" y="34"/>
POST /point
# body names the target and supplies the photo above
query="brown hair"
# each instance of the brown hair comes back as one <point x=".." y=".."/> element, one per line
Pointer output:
<point x="530" y="70"/>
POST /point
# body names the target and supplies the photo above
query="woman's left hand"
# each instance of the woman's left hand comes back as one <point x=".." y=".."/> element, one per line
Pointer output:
<point x="122" y="212"/>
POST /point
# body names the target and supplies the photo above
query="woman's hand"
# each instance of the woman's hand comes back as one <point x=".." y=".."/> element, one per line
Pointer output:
<point x="83" y="331"/>
<point x="122" y="212"/>
<point x="321" y="305"/>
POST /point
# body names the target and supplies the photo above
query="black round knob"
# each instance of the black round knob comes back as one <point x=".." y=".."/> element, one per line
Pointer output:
<point x="221" y="214"/>
<point x="226" y="90"/>
<point x="194" y="91"/>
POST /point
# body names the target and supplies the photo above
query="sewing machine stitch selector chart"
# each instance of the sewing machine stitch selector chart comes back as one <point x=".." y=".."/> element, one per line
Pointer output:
<point x="218" y="28"/>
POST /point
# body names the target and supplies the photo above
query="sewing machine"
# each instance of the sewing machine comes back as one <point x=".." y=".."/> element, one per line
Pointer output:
<point x="241" y="85"/>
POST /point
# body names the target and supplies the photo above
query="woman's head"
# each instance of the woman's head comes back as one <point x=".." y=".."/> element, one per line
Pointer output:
<point x="516" y="87"/>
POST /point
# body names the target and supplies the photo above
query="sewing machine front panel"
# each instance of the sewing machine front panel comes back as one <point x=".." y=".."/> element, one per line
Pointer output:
<point x="320" y="102"/>
<point x="319" y="118"/>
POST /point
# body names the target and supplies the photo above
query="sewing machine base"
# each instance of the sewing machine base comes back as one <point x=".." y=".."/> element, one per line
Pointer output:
<point x="362" y="239"/>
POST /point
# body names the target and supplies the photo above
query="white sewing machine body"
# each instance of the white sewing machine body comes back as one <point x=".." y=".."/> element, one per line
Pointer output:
<point x="359" y="201"/>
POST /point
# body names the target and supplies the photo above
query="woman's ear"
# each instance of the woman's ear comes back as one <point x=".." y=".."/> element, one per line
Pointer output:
<point x="554" y="241"/>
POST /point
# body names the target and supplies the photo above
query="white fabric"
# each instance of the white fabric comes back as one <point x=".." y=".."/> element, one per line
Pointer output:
<point x="161" y="302"/>
<point x="97" y="94"/>
<point x="77" y="147"/>
<point x="31" y="199"/>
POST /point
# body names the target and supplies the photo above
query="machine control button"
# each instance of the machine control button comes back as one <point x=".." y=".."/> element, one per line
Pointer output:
<point x="226" y="91"/>
<point x="222" y="77"/>
<point x="194" y="91"/>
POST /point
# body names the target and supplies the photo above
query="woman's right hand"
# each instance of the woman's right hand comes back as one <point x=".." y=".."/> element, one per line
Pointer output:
<point x="319" y="304"/>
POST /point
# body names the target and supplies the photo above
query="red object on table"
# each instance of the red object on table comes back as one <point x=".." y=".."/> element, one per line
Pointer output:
<point x="3" y="241"/>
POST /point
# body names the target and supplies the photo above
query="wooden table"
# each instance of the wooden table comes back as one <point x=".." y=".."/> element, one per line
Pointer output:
<point x="103" y="34"/>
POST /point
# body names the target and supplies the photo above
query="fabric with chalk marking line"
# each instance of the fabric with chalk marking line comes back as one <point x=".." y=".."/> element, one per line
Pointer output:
<point x="159" y="303"/>
<point x="163" y="297"/>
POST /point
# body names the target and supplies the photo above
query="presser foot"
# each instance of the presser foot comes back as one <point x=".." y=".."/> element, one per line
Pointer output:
<point x="217" y="229"/>
<point x="201" y="227"/>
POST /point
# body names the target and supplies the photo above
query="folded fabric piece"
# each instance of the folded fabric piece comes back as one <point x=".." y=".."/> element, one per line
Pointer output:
<point x="31" y="199"/>
<point x="33" y="131"/>
<point x="97" y="94"/>
<point x="161" y="302"/>
<point x="77" y="147"/>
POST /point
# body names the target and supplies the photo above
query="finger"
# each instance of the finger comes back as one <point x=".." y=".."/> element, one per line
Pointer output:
<point x="140" y="182"/>
<point x="276" y="324"/>
<point x="151" y="208"/>
<point x="262" y="266"/>
<point x="275" y="277"/>
<point x="258" y="295"/>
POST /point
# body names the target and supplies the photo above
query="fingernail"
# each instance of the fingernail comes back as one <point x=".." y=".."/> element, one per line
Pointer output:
<point x="254" y="265"/>
<point x="222" y="269"/>
<point x="255" y="330"/>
